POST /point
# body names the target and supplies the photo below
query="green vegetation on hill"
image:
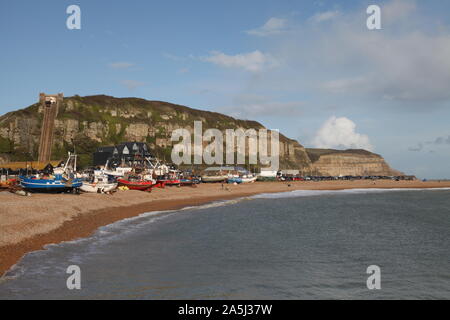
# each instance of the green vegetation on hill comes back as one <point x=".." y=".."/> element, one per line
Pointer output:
<point x="314" y="154"/>
<point x="84" y="123"/>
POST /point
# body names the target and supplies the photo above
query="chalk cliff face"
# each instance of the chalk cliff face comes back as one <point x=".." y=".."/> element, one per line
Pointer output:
<point x="328" y="162"/>
<point x="89" y="122"/>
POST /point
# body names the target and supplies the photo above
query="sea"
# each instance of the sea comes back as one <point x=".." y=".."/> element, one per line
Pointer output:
<point x="351" y="244"/>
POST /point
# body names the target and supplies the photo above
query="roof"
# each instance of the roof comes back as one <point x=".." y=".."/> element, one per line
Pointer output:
<point x="30" y="164"/>
<point x="106" y="149"/>
<point x="129" y="149"/>
<point x="140" y="147"/>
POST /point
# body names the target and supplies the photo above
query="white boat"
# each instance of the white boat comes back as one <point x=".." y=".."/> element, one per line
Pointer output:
<point x="218" y="178"/>
<point x="100" y="183"/>
<point x="98" y="187"/>
<point x="118" y="172"/>
<point x="248" y="179"/>
<point x="218" y="174"/>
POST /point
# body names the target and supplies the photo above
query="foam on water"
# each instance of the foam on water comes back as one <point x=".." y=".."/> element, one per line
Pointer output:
<point x="312" y="193"/>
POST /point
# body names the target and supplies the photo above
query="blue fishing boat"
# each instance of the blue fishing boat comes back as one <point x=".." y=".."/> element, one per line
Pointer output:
<point x="56" y="183"/>
<point x="62" y="179"/>
<point x="233" y="180"/>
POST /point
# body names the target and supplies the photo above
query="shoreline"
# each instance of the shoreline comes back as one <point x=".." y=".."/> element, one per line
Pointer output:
<point x="73" y="217"/>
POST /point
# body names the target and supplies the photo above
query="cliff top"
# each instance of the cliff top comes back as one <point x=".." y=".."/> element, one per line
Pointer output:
<point x="315" y="154"/>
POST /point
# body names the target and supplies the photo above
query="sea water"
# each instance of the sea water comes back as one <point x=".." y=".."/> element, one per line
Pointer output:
<point x="293" y="245"/>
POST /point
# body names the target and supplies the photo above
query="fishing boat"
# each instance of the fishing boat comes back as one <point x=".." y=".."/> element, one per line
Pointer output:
<point x="248" y="179"/>
<point x="7" y="184"/>
<point x="171" y="178"/>
<point x="216" y="174"/>
<point x="133" y="183"/>
<point x="52" y="183"/>
<point x="98" y="187"/>
<point x="173" y="182"/>
<point x="233" y="180"/>
<point x="61" y="180"/>
<point x="189" y="182"/>
<point x="100" y="183"/>
<point x="214" y="178"/>
<point x="160" y="183"/>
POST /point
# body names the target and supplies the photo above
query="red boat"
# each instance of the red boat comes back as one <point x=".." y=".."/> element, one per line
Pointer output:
<point x="136" y="185"/>
<point x="173" y="182"/>
<point x="160" y="183"/>
<point x="8" y="184"/>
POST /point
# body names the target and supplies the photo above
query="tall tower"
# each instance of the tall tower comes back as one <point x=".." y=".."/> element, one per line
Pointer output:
<point x="50" y="105"/>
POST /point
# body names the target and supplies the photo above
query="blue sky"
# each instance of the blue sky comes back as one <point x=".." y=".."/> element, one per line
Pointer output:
<point x="309" y="68"/>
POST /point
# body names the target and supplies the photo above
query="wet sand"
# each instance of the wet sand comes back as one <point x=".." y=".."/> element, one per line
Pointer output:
<point x="29" y="223"/>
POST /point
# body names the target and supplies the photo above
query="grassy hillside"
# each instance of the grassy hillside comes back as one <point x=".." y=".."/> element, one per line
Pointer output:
<point x="85" y="123"/>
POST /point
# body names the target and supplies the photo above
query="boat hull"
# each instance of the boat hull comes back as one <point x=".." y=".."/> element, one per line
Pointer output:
<point x="174" y="182"/>
<point x="98" y="187"/>
<point x="136" y="185"/>
<point x="214" y="178"/>
<point x="248" y="180"/>
<point x="234" y="180"/>
<point x="8" y="184"/>
<point x="49" y="186"/>
<point x="189" y="182"/>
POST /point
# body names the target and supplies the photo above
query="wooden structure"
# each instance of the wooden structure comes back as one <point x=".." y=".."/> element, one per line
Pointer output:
<point x="50" y="105"/>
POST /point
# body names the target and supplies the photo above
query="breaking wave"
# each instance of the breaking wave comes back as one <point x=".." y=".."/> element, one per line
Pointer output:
<point x="312" y="193"/>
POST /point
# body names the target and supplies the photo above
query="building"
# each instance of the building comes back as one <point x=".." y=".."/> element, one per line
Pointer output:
<point x="34" y="165"/>
<point x="121" y="153"/>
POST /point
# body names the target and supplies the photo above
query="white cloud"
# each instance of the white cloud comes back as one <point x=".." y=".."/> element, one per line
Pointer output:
<point x="273" y="26"/>
<point x="324" y="16"/>
<point x="341" y="133"/>
<point x="121" y="65"/>
<point x="255" y="61"/>
<point x="132" y="84"/>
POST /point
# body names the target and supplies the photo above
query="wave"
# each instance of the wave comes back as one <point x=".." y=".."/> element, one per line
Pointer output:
<point x="311" y="193"/>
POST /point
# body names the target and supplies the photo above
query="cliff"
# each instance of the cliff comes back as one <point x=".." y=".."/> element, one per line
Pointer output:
<point x="89" y="122"/>
<point x="92" y="121"/>
<point x="328" y="162"/>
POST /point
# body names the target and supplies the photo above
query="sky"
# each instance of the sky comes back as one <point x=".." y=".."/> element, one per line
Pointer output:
<point x="311" y="69"/>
